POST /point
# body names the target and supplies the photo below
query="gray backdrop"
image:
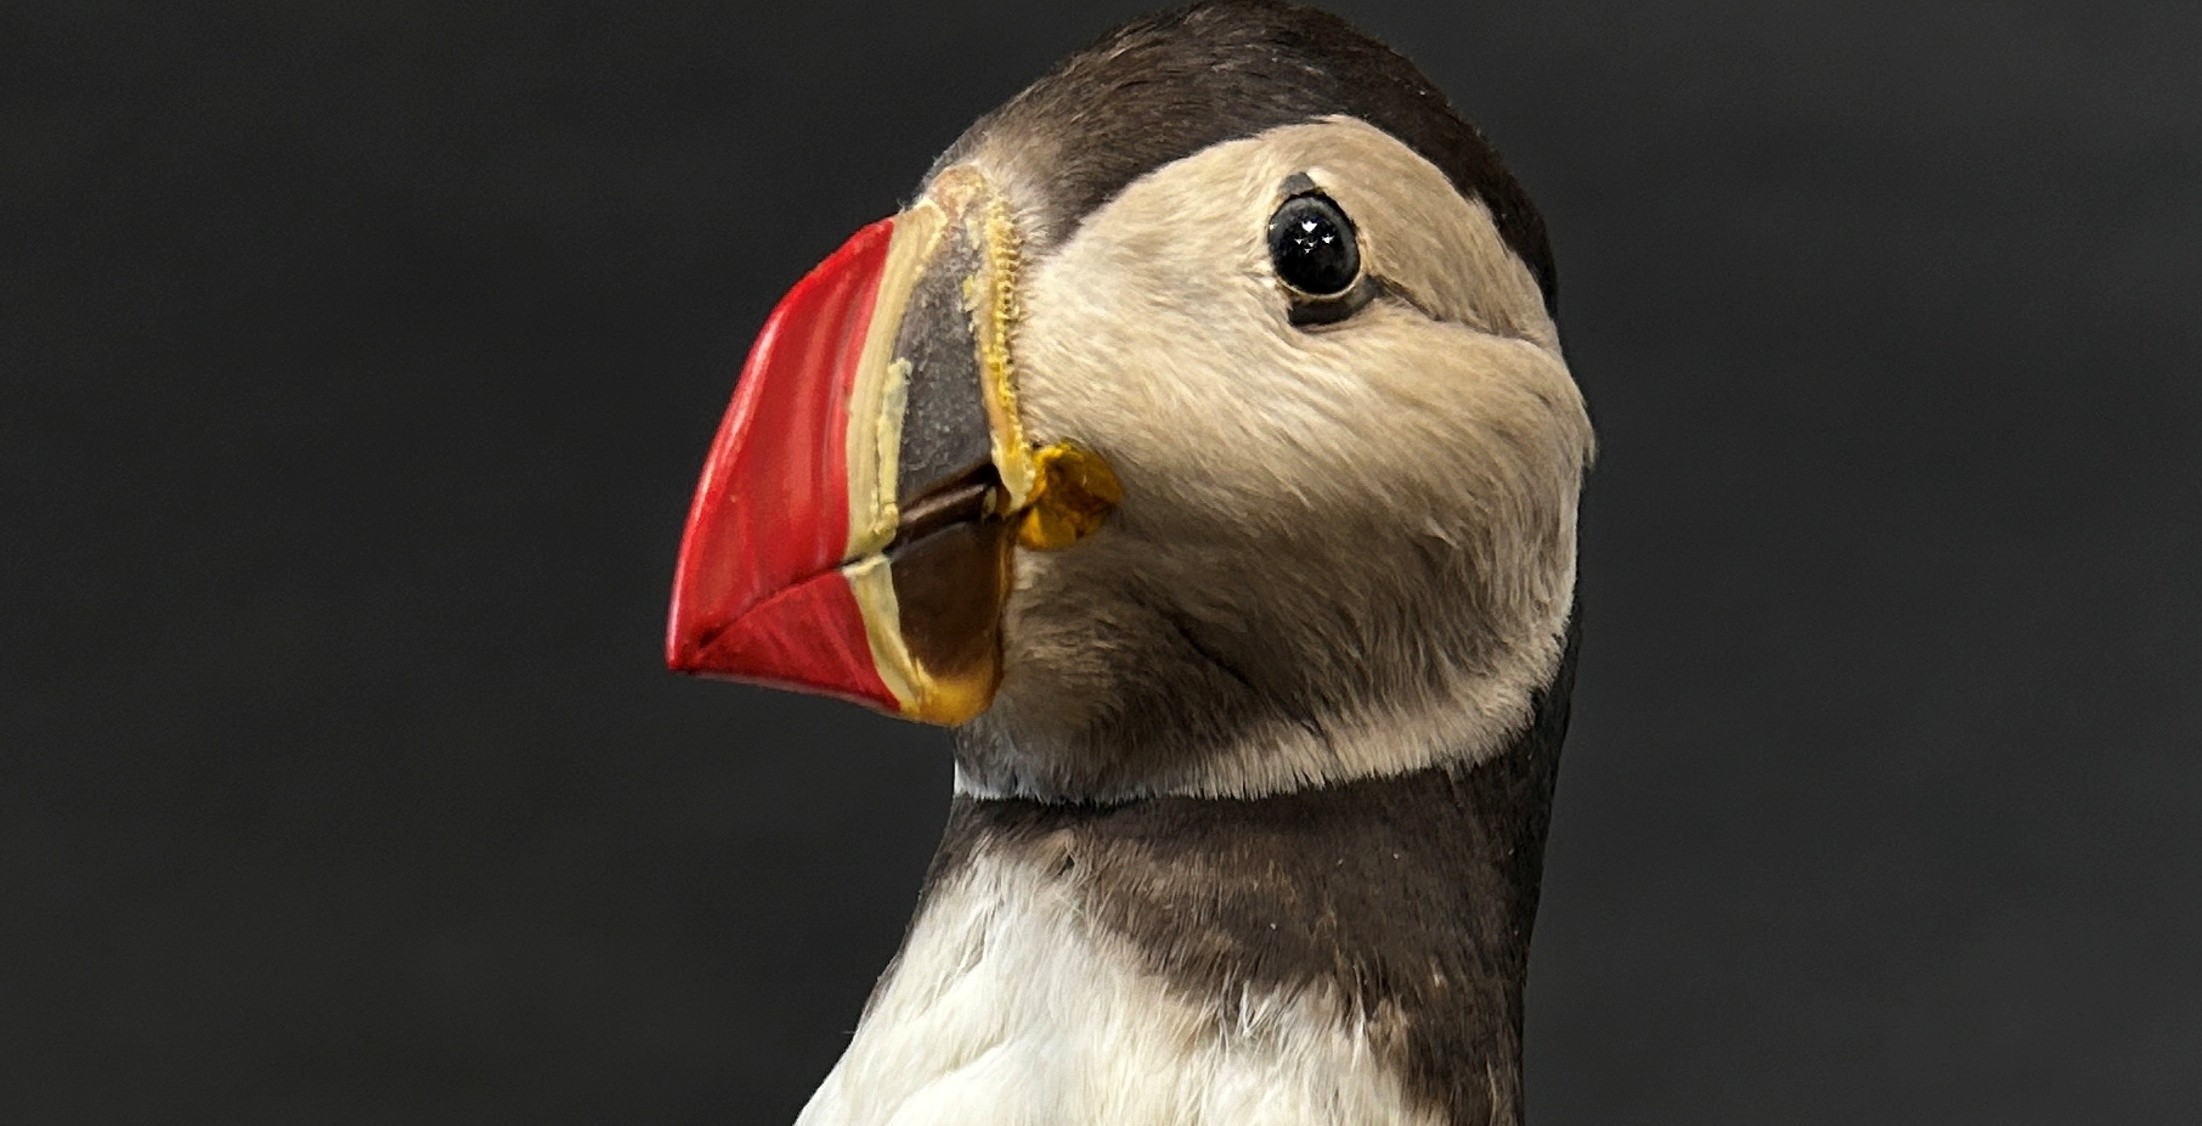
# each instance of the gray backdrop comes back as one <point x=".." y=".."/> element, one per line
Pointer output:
<point x="359" y="358"/>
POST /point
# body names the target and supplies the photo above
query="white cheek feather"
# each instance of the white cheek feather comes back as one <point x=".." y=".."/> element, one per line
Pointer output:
<point x="1007" y="1007"/>
<point x="1376" y="518"/>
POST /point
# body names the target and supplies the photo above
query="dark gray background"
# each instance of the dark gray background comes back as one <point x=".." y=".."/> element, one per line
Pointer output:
<point x="358" y="360"/>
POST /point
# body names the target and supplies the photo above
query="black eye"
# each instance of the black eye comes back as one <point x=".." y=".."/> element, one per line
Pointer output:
<point x="1312" y="246"/>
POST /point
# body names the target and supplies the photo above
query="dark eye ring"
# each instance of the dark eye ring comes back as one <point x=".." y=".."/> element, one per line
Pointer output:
<point x="1313" y="246"/>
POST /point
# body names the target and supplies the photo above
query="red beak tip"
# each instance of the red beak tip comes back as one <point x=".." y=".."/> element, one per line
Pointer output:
<point x="758" y="593"/>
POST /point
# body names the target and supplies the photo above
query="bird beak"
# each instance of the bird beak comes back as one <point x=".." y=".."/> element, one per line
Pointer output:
<point x="853" y="530"/>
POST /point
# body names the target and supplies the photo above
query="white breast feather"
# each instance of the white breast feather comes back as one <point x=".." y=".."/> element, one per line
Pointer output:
<point x="1006" y="1008"/>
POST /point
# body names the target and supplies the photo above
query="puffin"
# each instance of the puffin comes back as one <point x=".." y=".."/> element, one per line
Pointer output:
<point x="1198" y="445"/>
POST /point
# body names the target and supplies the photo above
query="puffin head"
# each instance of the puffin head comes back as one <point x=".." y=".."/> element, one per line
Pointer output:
<point x="1201" y="428"/>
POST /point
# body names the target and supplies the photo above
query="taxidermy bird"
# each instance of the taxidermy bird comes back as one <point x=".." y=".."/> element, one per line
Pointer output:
<point x="1198" y="445"/>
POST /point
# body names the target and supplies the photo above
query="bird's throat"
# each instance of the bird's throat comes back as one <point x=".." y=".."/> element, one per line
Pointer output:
<point x="1347" y="953"/>
<point x="1408" y="901"/>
